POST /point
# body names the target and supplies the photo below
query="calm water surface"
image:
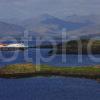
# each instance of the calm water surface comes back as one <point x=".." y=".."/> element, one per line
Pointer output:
<point x="51" y="88"/>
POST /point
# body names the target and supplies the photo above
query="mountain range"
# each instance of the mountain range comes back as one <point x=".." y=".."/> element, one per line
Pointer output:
<point x="50" y="25"/>
<point x="7" y="29"/>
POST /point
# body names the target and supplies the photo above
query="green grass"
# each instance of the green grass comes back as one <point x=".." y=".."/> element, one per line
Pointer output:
<point x="71" y="69"/>
<point x="30" y="70"/>
<point x="24" y="68"/>
<point x="19" y="68"/>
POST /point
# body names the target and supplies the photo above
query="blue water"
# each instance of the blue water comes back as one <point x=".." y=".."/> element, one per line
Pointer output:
<point x="51" y="88"/>
<point x="42" y="57"/>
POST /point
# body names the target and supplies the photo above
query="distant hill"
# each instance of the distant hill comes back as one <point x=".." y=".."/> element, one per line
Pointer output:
<point x="89" y="19"/>
<point x="47" y="24"/>
<point x="91" y="29"/>
<point x="7" y="29"/>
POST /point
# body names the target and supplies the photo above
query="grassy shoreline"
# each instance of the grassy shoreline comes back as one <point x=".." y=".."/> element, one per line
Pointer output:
<point x="30" y="70"/>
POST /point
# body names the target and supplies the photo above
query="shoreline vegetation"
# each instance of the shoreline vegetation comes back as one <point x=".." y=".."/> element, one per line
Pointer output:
<point x="73" y="47"/>
<point x="30" y="70"/>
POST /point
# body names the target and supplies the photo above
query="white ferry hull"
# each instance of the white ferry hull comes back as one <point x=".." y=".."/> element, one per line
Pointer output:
<point x="12" y="48"/>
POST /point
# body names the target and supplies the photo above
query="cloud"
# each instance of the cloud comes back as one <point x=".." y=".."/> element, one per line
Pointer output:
<point x="22" y="8"/>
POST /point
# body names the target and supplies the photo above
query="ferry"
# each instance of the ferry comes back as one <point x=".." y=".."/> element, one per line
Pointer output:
<point x="13" y="46"/>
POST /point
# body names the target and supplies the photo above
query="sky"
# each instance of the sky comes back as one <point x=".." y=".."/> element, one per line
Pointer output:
<point x="29" y="8"/>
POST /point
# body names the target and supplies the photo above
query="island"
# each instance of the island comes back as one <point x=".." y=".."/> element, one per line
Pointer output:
<point x="30" y="70"/>
<point x="73" y="47"/>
